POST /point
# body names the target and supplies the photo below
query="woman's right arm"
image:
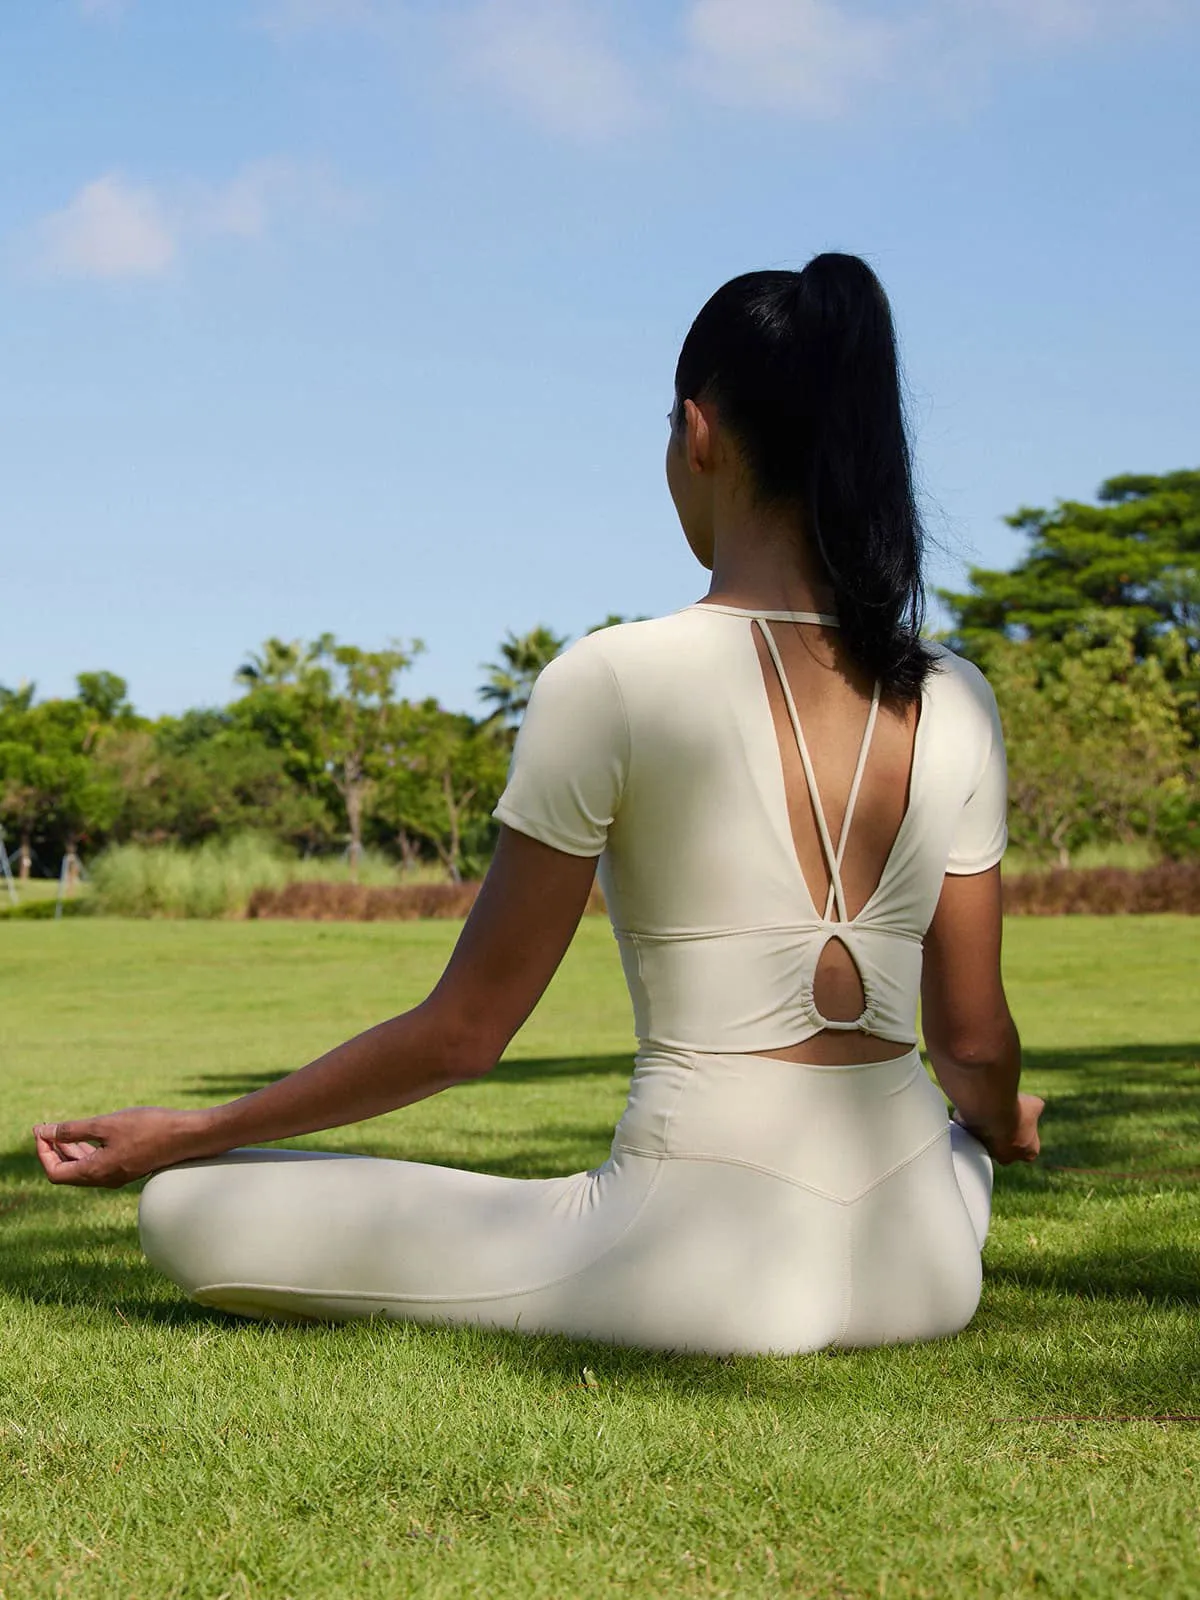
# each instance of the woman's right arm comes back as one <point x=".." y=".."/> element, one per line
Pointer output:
<point x="969" y="1032"/>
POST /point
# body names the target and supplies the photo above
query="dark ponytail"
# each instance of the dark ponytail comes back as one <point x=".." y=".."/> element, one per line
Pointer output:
<point x="802" y="369"/>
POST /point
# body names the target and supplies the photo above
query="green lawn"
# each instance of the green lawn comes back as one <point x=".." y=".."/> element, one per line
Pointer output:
<point x="153" y="1449"/>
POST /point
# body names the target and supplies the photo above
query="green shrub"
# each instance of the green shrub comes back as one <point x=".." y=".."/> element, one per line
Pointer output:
<point x="1178" y="827"/>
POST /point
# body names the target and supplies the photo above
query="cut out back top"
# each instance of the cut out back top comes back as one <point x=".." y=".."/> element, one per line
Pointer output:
<point x="652" y="745"/>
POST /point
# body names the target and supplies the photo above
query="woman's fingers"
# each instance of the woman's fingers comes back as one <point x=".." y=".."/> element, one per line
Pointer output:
<point x="64" y="1164"/>
<point x="68" y="1151"/>
<point x="77" y="1161"/>
<point x="88" y="1128"/>
<point x="76" y="1152"/>
<point x="1030" y="1141"/>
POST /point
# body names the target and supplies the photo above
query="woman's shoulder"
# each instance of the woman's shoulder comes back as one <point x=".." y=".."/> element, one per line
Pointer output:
<point x="964" y="701"/>
<point x="954" y="677"/>
<point x="629" y="646"/>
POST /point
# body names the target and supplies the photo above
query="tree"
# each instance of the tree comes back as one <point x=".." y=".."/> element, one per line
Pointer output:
<point x="276" y="712"/>
<point x="104" y="695"/>
<point x="51" y="787"/>
<point x="1135" y="555"/>
<point x="214" y="787"/>
<point x="1095" y="744"/>
<point x="511" y="679"/>
<point x="349" y="696"/>
<point x="14" y="802"/>
<point x="278" y="664"/>
<point x="446" y="777"/>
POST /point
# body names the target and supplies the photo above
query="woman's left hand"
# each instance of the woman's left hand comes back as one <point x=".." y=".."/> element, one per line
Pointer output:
<point x="106" y="1152"/>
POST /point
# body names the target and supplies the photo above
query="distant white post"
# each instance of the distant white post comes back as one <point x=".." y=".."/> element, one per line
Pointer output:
<point x="6" y="868"/>
<point x="69" y="874"/>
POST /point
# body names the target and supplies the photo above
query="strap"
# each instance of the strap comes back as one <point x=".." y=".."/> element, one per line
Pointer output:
<point x="823" y="619"/>
<point x="833" y="857"/>
<point x="852" y="798"/>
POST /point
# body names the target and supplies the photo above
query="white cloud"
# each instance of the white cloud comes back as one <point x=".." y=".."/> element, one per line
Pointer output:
<point x="111" y="229"/>
<point x="563" y="65"/>
<point x="809" y="56"/>
<point x="825" y="58"/>
<point x="550" y="57"/>
<point x="114" y="228"/>
<point x="262" y="194"/>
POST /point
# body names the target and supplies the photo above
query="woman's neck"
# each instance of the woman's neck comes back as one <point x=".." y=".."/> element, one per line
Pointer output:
<point x="762" y="560"/>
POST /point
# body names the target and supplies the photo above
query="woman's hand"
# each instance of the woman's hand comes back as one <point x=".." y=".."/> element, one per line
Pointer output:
<point x="106" y="1152"/>
<point x="1021" y="1141"/>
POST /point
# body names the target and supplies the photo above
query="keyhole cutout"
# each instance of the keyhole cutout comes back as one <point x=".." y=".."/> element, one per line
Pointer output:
<point x="838" y="992"/>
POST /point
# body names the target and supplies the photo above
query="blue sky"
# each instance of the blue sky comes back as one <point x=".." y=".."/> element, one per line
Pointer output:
<point x="361" y="315"/>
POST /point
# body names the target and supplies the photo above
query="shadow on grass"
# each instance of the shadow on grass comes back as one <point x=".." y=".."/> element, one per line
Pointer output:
<point x="216" y="1086"/>
<point x="1164" y="1275"/>
<point x="1128" y="1108"/>
<point x="82" y="1264"/>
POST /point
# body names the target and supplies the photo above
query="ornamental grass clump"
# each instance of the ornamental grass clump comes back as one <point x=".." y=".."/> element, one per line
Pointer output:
<point x="216" y="880"/>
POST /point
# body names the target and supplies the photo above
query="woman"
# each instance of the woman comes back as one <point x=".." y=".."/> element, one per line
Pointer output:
<point x="789" y="794"/>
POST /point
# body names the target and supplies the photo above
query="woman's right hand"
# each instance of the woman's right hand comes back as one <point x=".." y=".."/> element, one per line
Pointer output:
<point x="1020" y="1142"/>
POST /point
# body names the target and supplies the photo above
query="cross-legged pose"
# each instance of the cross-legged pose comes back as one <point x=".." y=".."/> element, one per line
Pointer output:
<point x="798" y="808"/>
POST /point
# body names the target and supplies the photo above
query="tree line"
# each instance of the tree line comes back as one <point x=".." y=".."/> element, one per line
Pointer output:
<point x="320" y="751"/>
<point x="1091" y="642"/>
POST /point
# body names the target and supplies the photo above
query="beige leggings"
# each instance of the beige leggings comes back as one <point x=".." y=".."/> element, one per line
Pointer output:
<point x="748" y="1205"/>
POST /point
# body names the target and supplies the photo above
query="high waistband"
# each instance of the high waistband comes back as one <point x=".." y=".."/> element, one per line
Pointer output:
<point x="835" y="1130"/>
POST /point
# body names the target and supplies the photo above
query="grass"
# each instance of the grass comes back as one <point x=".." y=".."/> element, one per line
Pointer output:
<point x="153" y="1449"/>
<point x="39" y="895"/>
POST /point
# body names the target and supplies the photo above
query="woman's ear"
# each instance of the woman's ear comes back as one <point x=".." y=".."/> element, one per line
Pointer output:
<point x="699" y="440"/>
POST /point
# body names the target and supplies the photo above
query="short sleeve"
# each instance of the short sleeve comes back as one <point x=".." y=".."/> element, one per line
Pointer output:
<point x="571" y="756"/>
<point x="981" y="835"/>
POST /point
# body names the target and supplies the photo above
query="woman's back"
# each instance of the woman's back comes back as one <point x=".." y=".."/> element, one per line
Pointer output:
<point x="670" y="745"/>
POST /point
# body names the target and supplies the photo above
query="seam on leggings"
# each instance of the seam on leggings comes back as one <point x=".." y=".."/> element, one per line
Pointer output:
<point x="785" y="1177"/>
<point x="440" y="1299"/>
<point x="918" y="1067"/>
<point x="848" y="1286"/>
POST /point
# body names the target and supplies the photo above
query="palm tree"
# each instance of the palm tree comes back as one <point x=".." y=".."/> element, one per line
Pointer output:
<point x="279" y="662"/>
<point x="511" y="679"/>
<point x="19" y="699"/>
<point x="614" y="619"/>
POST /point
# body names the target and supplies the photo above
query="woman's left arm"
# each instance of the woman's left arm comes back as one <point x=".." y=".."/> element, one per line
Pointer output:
<point x="516" y="936"/>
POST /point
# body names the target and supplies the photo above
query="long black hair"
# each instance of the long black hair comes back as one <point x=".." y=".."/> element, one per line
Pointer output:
<point x="803" y="371"/>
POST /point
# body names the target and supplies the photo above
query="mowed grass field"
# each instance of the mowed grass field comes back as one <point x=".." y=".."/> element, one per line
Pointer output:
<point x="152" y="1449"/>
